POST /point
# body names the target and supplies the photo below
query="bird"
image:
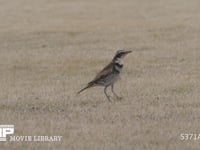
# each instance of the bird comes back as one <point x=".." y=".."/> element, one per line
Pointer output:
<point x="108" y="76"/>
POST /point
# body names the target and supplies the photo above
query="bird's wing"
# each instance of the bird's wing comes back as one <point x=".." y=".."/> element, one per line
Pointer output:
<point x="106" y="70"/>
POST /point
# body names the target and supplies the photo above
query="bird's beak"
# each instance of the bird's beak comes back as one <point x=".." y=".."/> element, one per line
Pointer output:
<point x="127" y="52"/>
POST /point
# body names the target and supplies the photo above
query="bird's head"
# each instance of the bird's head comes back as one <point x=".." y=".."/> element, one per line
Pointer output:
<point x="120" y="54"/>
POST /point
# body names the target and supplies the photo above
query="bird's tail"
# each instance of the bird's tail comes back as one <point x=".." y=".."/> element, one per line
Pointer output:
<point x="89" y="85"/>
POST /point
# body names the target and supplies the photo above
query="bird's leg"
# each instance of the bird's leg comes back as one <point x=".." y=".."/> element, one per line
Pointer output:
<point x="108" y="97"/>
<point x="112" y="89"/>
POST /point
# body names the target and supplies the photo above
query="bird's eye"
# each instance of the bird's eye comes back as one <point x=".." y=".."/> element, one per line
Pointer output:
<point x="119" y="55"/>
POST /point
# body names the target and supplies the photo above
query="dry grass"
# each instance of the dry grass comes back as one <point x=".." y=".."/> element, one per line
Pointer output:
<point x="49" y="49"/>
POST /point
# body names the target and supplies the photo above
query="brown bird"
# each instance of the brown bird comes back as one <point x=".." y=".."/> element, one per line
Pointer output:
<point x="109" y="75"/>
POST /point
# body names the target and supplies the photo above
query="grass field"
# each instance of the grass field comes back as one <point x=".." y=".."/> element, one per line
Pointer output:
<point x="49" y="49"/>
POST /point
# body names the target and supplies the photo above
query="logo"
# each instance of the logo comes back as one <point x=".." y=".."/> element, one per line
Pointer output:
<point x="9" y="129"/>
<point x="6" y="130"/>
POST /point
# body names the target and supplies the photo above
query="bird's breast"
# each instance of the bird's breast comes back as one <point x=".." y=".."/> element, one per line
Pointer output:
<point x="117" y="67"/>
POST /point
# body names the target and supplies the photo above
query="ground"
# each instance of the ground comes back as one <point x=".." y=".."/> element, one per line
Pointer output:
<point x="49" y="49"/>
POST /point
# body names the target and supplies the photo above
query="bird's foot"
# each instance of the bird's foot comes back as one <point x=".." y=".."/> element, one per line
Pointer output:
<point x="119" y="97"/>
<point x="109" y="98"/>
